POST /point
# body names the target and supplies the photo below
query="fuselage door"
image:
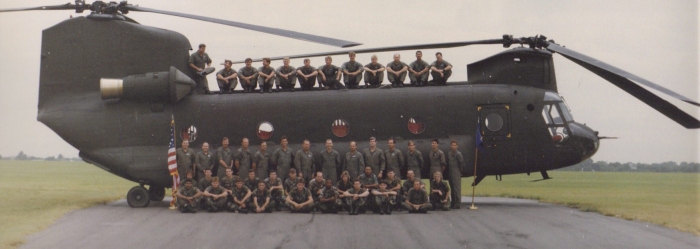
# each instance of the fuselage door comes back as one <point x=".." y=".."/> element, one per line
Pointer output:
<point x="494" y="120"/>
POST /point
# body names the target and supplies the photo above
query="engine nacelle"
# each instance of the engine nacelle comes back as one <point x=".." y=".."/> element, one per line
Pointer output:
<point x="169" y="86"/>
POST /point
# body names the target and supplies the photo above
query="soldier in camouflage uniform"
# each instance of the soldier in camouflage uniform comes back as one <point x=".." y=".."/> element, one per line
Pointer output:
<point x="369" y="181"/>
<point x="417" y="201"/>
<point x="291" y="181"/>
<point x="283" y="158"/>
<point x="396" y="71"/>
<point x="455" y="164"/>
<point x="188" y="197"/>
<point x="225" y="156"/>
<point x="408" y="184"/>
<point x="248" y="76"/>
<point x="394" y="158"/>
<point x="307" y="76"/>
<point x="243" y="159"/>
<point x="393" y="183"/>
<point x="261" y="199"/>
<point x="261" y="161"/>
<point x="300" y="199"/>
<point x="185" y="159"/>
<point x="374" y="157"/>
<point x="440" y="69"/>
<point x="329" y="76"/>
<point x="205" y="182"/>
<point x="328" y="202"/>
<point x="316" y="184"/>
<point x="286" y="76"/>
<point x="437" y="159"/>
<point x="251" y="181"/>
<point x="330" y="162"/>
<point x="352" y="71"/>
<point x="384" y="198"/>
<point x="439" y="192"/>
<point x="240" y="200"/>
<point x="374" y="73"/>
<point x="266" y="76"/>
<point x="215" y="196"/>
<point x="203" y="161"/>
<point x="418" y="71"/>
<point x="274" y="184"/>
<point x="354" y="162"/>
<point x="414" y="159"/>
<point x="228" y="181"/>
<point x="355" y="198"/>
<point x="304" y="161"/>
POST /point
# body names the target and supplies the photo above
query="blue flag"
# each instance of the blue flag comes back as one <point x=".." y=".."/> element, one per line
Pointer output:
<point x="479" y="140"/>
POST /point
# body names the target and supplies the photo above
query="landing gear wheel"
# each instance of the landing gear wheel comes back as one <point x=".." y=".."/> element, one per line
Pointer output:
<point x="156" y="193"/>
<point x="138" y="197"/>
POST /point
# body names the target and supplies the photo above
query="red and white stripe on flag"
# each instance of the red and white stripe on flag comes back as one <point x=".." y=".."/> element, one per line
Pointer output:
<point x="172" y="157"/>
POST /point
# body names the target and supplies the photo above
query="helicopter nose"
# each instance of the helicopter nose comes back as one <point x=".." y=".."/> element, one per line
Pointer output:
<point x="585" y="139"/>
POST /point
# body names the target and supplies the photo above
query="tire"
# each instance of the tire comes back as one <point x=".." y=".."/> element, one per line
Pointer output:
<point x="156" y="193"/>
<point x="138" y="197"/>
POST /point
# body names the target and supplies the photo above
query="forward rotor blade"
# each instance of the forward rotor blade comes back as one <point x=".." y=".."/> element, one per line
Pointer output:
<point x="274" y="31"/>
<point x="613" y="75"/>
<point x="385" y="49"/>
<point x="67" y="6"/>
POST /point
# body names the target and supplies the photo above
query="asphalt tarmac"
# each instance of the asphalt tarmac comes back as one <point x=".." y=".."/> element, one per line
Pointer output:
<point x="498" y="223"/>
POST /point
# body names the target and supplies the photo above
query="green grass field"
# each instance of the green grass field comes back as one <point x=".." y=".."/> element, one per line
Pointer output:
<point x="36" y="193"/>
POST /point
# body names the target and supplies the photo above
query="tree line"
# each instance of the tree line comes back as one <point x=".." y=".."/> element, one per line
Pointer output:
<point x="670" y="166"/>
<point x="22" y="156"/>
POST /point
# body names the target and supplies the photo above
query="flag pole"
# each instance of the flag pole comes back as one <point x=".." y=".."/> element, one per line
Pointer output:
<point x="476" y="158"/>
<point x="174" y="188"/>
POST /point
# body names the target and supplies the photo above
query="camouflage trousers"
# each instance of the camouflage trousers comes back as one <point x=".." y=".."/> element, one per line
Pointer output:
<point x="215" y="205"/>
<point x="185" y="206"/>
<point x="423" y="208"/>
<point x="329" y="207"/>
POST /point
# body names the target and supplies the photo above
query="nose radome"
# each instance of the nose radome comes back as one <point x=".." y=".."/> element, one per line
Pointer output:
<point x="585" y="138"/>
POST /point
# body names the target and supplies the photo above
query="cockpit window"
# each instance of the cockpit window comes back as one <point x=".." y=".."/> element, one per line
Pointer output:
<point x="565" y="112"/>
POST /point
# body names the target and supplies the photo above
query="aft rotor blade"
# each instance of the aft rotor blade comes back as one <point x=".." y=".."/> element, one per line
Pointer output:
<point x="393" y="48"/>
<point x="67" y="6"/>
<point x="274" y="31"/>
<point x="621" y="79"/>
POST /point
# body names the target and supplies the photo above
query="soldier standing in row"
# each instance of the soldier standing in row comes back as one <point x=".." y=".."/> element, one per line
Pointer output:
<point x="240" y="200"/>
<point x="330" y="162"/>
<point x="396" y="71"/>
<point x="225" y="156"/>
<point x="354" y="161"/>
<point x="266" y="76"/>
<point x="439" y="192"/>
<point x="374" y="73"/>
<point x="248" y="76"/>
<point x="418" y="71"/>
<point x="286" y="76"/>
<point x="185" y="159"/>
<point x="437" y="158"/>
<point x="441" y="70"/>
<point x="355" y="198"/>
<point x="394" y="158"/>
<point x="307" y="76"/>
<point x="328" y="198"/>
<point x="188" y="197"/>
<point x="455" y="163"/>
<point x="227" y="78"/>
<point x="299" y="199"/>
<point x="274" y="184"/>
<point x="203" y="161"/>
<point x="352" y="71"/>
<point x="329" y="76"/>
<point x="417" y="199"/>
<point x="283" y="158"/>
<point x="199" y="61"/>
<point x="243" y="159"/>
<point x="414" y="159"/>
<point x="261" y="199"/>
<point x="304" y="161"/>
<point x="216" y="196"/>
<point x="374" y="157"/>
<point x="261" y="161"/>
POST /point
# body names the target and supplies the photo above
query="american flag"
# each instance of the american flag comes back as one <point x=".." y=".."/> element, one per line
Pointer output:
<point x="172" y="157"/>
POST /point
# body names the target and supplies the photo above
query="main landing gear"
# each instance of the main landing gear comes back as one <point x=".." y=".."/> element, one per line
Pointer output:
<point x="139" y="196"/>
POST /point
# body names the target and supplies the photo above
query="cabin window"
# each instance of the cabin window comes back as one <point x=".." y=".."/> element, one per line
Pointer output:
<point x="189" y="134"/>
<point x="416" y="125"/>
<point x="340" y="128"/>
<point x="494" y="122"/>
<point x="265" y="130"/>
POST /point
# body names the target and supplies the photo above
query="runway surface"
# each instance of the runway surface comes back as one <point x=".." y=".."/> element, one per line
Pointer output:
<point x="498" y="223"/>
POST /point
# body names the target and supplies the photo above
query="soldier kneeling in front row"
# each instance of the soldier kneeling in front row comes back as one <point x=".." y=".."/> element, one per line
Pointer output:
<point x="439" y="192"/>
<point x="240" y="198"/>
<point x="299" y="199"/>
<point x="328" y="201"/>
<point x="417" y="199"/>
<point x="355" y="198"/>
<point x="384" y="198"/>
<point x="216" y="196"/>
<point x="261" y="199"/>
<point x="188" y="197"/>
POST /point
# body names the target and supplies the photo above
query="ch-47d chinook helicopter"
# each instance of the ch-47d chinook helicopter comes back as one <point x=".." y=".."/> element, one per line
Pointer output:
<point x="510" y="97"/>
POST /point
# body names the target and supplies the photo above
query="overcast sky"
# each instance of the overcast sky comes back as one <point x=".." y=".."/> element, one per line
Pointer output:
<point x="657" y="40"/>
